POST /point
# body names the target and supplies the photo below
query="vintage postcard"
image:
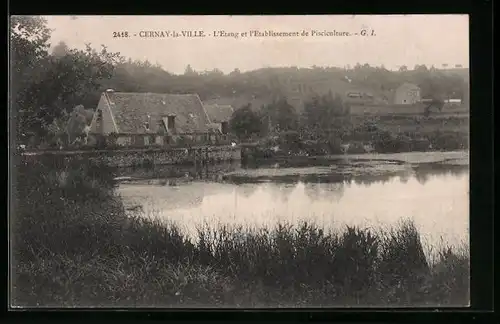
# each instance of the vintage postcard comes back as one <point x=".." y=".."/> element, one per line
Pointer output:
<point x="239" y="161"/>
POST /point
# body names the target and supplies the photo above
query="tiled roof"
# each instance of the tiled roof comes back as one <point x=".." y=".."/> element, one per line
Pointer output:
<point x="131" y="111"/>
<point x="219" y="113"/>
<point x="407" y="85"/>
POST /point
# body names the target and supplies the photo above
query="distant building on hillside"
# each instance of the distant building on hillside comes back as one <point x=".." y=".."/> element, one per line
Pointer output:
<point x="453" y="101"/>
<point x="354" y="95"/>
<point x="358" y="97"/>
<point x="407" y="94"/>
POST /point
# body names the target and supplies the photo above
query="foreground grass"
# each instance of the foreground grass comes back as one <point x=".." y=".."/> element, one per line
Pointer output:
<point x="74" y="245"/>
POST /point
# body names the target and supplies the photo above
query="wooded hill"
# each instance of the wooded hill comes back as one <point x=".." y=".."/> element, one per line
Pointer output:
<point x="46" y="85"/>
<point x="298" y="85"/>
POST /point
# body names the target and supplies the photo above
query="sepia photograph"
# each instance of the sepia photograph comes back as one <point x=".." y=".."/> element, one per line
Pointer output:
<point x="241" y="161"/>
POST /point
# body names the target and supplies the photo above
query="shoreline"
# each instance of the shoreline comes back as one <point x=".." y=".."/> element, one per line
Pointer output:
<point x="450" y="159"/>
<point x="414" y="157"/>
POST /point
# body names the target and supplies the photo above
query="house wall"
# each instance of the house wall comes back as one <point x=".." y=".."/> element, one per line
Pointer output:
<point x="159" y="140"/>
<point x="224" y="127"/>
<point x="407" y="95"/>
<point x="107" y="121"/>
<point x="124" y="140"/>
<point x="163" y="140"/>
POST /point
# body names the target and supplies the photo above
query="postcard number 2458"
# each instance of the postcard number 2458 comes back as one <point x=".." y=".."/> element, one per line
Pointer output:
<point x="120" y="34"/>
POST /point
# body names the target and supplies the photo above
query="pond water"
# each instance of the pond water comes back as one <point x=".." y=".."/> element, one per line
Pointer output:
<point x="368" y="191"/>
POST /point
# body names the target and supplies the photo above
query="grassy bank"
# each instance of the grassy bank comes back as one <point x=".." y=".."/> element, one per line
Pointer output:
<point x="74" y="245"/>
<point x="380" y="140"/>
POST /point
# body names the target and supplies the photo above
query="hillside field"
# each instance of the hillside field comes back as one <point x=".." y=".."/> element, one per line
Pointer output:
<point x="418" y="124"/>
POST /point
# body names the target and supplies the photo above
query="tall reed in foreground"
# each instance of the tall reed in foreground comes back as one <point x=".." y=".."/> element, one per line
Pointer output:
<point x="74" y="245"/>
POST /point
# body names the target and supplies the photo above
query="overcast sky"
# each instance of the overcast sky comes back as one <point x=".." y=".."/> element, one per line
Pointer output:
<point x="399" y="40"/>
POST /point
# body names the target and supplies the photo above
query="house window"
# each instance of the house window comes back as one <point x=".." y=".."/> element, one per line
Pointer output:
<point x="161" y="127"/>
<point x="171" y="122"/>
<point x="147" y="123"/>
<point x="124" y="141"/>
<point x="413" y="93"/>
<point x="146" y="140"/>
<point x="99" y="121"/>
<point x="224" y="127"/>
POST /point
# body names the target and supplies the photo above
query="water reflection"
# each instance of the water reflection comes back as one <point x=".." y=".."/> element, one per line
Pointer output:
<point x="376" y="194"/>
<point x="423" y="172"/>
<point x="361" y="173"/>
<point x="206" y="172"/>
<point x="324" y="191"/>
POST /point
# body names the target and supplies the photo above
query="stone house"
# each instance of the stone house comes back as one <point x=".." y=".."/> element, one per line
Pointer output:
<point x="219" y="116"/>
<point x="143" y="119"/>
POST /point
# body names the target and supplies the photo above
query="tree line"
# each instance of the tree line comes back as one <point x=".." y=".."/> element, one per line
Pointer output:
<point x="50" y="91"/>
<point x="322" y="113"/>
<point x="55" y="92"/>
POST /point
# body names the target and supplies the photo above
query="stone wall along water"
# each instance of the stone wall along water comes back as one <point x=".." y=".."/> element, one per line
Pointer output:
<point x="138" y="157"/>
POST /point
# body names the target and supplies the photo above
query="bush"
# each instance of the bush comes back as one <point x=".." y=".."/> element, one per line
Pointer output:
<point x="449" y="141"/>
<point x="383" y="142"/>
<point x="290" y="140"/>
<point x="402" y="143"/>
<point x="403" y="265"/>
<point x="451" y="274"/>
<point x="356" y="148"/>
<point x="393" y="134"/>
<point x="420" y="144"/>
<point x="317" y="148"/>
